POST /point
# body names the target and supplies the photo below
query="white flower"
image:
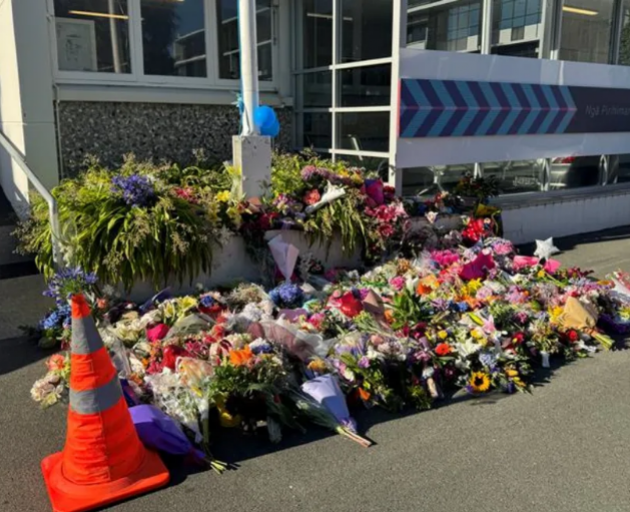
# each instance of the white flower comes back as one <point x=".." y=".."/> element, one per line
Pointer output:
<point x="348" y="374"/>
<point x="467" y="348"/>
<point x="411" y="283"/>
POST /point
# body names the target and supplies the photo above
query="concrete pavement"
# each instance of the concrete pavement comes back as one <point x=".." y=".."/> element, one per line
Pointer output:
<point x="564" y="448"/>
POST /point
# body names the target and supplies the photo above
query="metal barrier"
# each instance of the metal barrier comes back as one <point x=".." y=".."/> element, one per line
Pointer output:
<point x="53" y="210"/>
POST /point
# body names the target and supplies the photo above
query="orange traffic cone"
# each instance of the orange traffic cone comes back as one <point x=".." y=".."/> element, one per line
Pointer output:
<point x="103" y="460"/>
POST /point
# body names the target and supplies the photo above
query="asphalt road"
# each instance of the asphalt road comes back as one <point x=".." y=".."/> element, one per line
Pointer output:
<point x="564" y="448"/>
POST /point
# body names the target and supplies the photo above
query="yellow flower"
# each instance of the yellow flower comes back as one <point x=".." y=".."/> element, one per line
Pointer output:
<point x="223" y="197"/>
<point x="476" y="334"/>
<point x="555" y="314"/>
<point x="442" y="335"/>
<point x="473" y="286"/>
<point x="480" y="382"/>
<point x="541" y="274"/>
<point x="511" y="373"/>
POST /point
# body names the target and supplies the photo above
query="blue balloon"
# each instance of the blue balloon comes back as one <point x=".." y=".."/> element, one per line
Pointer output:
<point x="274" y="129"/>
<point x="267" y="121"/>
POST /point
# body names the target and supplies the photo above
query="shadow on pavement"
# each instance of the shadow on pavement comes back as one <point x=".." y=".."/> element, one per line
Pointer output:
<point x="570" y="242"/>
<point x="20" y="352"/>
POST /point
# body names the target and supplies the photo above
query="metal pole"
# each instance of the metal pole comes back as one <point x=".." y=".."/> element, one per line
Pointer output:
<point x="113" y="31"/>
<point x="249" y="63"/>
<point x="486" y="28"/>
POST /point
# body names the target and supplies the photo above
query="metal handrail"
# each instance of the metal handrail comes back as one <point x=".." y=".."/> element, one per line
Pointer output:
<point x="53" y="209"/>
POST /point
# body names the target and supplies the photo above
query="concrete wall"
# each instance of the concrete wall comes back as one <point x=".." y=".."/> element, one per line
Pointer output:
<point x="26" y="97"/>
<point x="565" y="215"/>
<point x="172" y="132"/>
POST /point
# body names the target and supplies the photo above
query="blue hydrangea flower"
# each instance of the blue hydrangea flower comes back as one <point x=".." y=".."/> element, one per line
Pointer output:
<point x="287" y="295"/>
<point x="207" y="301"/>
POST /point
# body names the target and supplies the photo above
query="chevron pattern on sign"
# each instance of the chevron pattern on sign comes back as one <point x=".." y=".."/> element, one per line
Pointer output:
<point x="454" y="108"/>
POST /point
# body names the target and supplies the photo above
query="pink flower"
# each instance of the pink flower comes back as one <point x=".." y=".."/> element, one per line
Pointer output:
<point x="445" y="258"/>
<point x="312" y="197"/>
<point x="316" y="320"/>
<point x="397" y="283"/>
<point x="157" y="332"/>
<point x="56" y="362"/>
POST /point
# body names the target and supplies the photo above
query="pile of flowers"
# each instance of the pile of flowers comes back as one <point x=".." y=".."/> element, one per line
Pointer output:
<point x="465" y="315"/>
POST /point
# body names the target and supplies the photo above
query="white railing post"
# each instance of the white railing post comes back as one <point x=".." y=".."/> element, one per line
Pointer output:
<point x="53" y="209"/>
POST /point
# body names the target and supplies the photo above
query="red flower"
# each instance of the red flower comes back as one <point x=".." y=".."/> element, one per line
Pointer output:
<point x="443" y="349"/>
<point x="386" y="230"/>
<point x="349" y="305"/>
<point x="573" y="336"/>
<point x="312" y="197"/>
<point x="170" y="355"/>
<point x="218" y="331"/>
<point x="518" y="338"/>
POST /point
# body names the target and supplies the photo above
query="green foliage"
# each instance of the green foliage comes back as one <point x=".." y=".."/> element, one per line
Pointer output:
<point x="409" y="309"/>
<point x="122" y="243"/>
<point x="344" y="216"/>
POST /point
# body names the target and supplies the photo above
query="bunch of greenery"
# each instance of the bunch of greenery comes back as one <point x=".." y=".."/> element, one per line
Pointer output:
<point x="136" y="223"/>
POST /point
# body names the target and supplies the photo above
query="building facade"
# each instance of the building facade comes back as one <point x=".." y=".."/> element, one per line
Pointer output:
<point x="159" y="78"/>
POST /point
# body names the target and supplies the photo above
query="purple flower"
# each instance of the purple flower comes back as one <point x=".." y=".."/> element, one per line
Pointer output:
<point x="135" y="190"/>
<point x="364" y="362"/>
<point x="67" y="282"/>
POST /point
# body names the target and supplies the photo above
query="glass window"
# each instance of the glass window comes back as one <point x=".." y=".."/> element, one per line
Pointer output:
<point x="419" y="181"/>
<point x="174" y="38"/>
<point x="586" y="30"/>
<point x="516" y="27"/>
<point x="364" y="131"/>
<point x="517" y="176"/>
<point x="92" y="35"/>
<point x="575" y="172"/>
<point x="229" y="62"/>
<point x="372" y="164"/>
<point x="316" y="89"/>
<point x="452" y="26"/>
<point x="624" y="46"/>
<point x="316" y="129"/>
<point x="363" y="87"/>
<point x="317" y="33"/>
<point x="366" y="32"/>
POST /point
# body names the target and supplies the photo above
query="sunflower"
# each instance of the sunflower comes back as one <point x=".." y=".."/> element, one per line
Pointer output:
<point x="480" y="382"/>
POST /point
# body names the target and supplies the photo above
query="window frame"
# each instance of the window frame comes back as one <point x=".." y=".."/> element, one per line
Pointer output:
<point x="138" y="78"/>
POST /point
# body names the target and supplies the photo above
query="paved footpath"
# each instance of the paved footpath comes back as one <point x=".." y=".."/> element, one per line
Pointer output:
<point x="564" y="448"/>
